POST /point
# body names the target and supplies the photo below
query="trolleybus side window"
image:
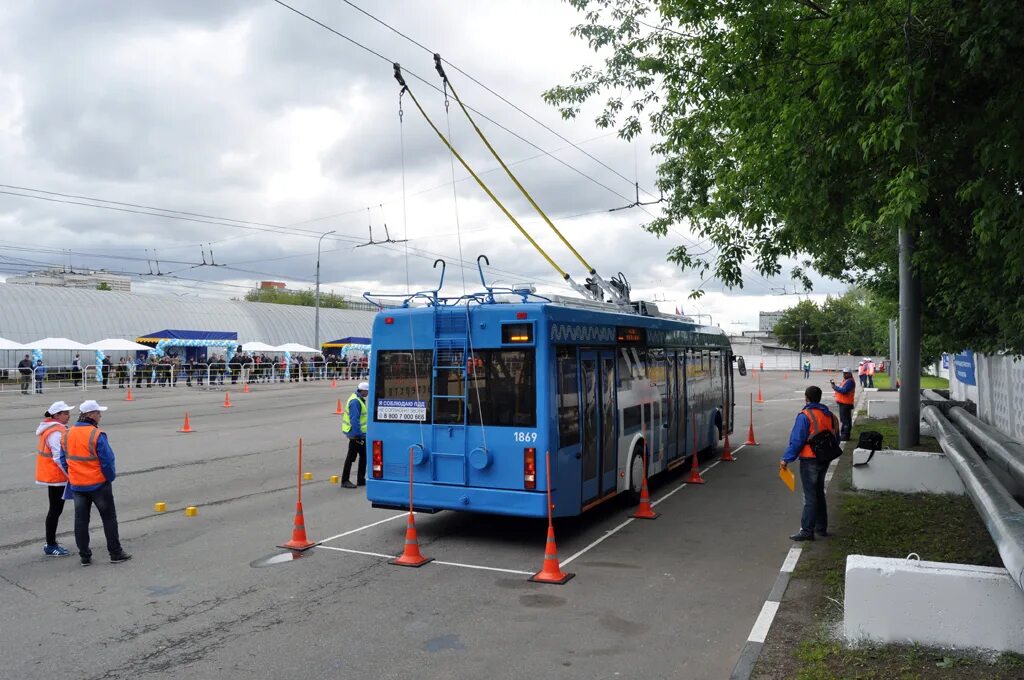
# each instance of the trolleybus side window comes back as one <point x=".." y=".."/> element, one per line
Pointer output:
<point x="568" y="397"/>
<point x="399" y="379"/>
<point x="502" y="388"/>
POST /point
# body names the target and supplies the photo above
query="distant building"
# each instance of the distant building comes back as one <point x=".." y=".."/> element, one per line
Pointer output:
<point x="72" y="279"/>
<point x="767" y="321"/>
<point x="271" y="285"/>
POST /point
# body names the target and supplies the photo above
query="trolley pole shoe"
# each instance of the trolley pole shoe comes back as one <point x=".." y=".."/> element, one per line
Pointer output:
<point x="227" y="400"/>
<point x="299" y="540"/>
<point x="186" y="427"/>
<point x="338" y="411"/>
<point x="411" y="556"/>
<point x="551" y="571"/>
<point x="726" y="451"/>
<point x="129" y="396"/>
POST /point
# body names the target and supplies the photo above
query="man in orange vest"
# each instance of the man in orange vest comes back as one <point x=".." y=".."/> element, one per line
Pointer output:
<point x="89" y="462"/>
<point x="814" y="418"/>
<point x="49" y="473"/>
<point x="844" y="399"/>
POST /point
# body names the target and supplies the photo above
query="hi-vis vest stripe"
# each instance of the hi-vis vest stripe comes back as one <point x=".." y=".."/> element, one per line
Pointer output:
<point x="80" y="451"/>
<point x="346" y="422"/>
<point x="818" y="421"/>
<point x="47" y="471"/>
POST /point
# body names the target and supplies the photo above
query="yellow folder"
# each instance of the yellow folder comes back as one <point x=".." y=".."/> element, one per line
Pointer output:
<point x="786" y="475"/>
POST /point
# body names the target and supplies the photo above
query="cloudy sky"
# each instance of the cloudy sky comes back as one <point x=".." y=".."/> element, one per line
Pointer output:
<point x="270" y="131"/>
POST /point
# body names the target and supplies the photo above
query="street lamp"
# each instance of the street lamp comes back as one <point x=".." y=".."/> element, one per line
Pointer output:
<point x="316" y="329"/>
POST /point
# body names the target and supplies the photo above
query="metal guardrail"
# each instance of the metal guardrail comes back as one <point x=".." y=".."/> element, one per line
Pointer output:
<point x="1006" y="453"/>
<point x="1002" y="515"/>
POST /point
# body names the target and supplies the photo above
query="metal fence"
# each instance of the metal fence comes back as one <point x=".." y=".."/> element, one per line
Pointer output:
<point x="819" y="362"/>
<point x="999" y="392"/>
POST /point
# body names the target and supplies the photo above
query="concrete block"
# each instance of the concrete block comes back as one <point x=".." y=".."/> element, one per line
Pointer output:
<point x="883" y="408"/>
<point x="905" y="471"/>
<point x="932" y="603"/>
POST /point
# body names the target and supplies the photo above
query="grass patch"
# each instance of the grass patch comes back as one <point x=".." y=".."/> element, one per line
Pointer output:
<point x="890" y="430"/>
<point x="940" y="528"/>
<point x="928" y="382"/>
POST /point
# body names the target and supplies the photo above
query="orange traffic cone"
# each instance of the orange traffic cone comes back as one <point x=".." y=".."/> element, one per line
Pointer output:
<point x="645" y="510"/>
<point x="245" y="388"/>
<point x="411" y="556"/>
<point x="750" y="432"/>
<point x="186" y="427"/>
<point x="129" y="397"/>
<point x="785" y="375"/>
<point x="760" y="399"/>
<point x="227" y="400"/>
<point x="338" y="410"/>
<point x="334" y="382"/>
<point x="726" y="451"/>
<point x="299" y="540"/>
<point x="695" y="477"/>
<point x="551" y="571"/>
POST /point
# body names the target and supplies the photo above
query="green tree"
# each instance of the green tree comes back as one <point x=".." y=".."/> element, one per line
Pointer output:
<point x="854" y="323"/>
<point x="817" y="129"/>
<point x="103" y="285"/>
<point x="303" y="298"/>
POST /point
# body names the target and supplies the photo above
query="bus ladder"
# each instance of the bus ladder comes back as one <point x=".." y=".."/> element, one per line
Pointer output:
<point x="451" y="352"/>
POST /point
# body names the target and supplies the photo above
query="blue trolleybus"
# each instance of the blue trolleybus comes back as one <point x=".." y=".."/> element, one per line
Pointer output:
<point x="478" y="394"/>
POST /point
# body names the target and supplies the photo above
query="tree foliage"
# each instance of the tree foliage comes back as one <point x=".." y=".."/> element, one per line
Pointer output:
<point x="303" y="298"/>
<point x="854" y="323"/>
<point x="817" y="129"/>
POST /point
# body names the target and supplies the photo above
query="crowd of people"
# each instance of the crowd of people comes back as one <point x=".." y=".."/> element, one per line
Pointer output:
<point x="168" y="370"/>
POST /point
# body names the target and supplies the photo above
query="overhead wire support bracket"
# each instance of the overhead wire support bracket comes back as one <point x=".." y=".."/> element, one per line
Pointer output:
<point x="638" y="203"/>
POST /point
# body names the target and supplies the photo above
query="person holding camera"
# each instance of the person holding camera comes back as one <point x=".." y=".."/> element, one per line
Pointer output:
<point x="353" y="426"/>
<point x="812" y="419"/>
<point x="844" y="399"/>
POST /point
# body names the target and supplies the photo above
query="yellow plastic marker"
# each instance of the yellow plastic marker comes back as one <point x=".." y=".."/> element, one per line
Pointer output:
<point x="160" y="507"/>
<point x="191" y="511"/>
<point x="308" y="476"/>
<point x="334" y="479"/>
<point x="786" y="475"/>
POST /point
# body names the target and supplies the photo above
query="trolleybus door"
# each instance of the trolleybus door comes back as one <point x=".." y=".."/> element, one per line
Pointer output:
<point x="600" y="459"/>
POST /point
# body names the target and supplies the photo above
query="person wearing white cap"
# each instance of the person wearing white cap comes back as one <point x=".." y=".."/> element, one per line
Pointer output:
<point x="353" y="426"/>
<point x="49" y="472"/>
<point x="844" y="395"/>
<point x="89" y="460"/>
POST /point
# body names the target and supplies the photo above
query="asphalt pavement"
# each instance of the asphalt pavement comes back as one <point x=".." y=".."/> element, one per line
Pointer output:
<point x="211" y="596"/>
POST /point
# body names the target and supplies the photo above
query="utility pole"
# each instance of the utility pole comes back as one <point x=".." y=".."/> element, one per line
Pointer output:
<point x="316" y="324"/>
<point x="910" y="344"/>
<point x="801" y="343"/>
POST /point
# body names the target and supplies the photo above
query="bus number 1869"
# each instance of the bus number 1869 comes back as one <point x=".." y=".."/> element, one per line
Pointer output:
<point x="525" y="436"/>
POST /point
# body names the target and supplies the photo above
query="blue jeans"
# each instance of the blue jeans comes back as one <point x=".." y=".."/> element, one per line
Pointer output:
<point x="815" y="514"/>
<point x="103" y="499"/>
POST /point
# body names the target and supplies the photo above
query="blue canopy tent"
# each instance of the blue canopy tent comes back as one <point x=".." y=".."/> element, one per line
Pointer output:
<point x="337" y="347"/>
<point x="195" y="343"/>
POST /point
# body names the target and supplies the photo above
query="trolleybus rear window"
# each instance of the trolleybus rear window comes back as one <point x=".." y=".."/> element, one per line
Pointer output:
<point x="502" y="388"/>
<point x="404" y="376"/>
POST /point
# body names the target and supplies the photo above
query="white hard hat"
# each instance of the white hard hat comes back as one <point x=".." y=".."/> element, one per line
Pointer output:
<point x="846" y="370"/>
<point x="59" y="407"/>
<point x="91" y="405"/>
<point x="363" y="387"/>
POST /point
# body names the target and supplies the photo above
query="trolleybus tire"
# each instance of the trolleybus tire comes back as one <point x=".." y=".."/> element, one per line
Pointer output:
<point x="636" y="474"/>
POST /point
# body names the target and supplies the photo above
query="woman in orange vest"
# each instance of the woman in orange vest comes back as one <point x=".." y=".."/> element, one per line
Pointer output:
<point x="49" y="473"/>
<point x="844" y="399"/>
<point x="89" y="461"/>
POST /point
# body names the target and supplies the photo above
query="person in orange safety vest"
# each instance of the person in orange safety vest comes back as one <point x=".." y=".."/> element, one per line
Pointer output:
<point x="49" y="473"/>
<point x="89" y="461"/>
<point x="844" y="399"/>
<point x="814" y="418"/>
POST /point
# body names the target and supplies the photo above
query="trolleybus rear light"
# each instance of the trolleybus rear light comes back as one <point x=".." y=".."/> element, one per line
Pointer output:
<point x="388" y="320"/>
<point x="520" y="315"/>
<point x="378" y="459"/>
<point x="530" y="468"/>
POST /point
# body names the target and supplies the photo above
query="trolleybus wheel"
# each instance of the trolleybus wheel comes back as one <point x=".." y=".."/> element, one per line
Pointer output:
<point x="636" y="474"/>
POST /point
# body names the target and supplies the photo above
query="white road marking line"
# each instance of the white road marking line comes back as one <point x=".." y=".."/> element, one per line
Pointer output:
<point x="790" y="564"/>
<point x="764" y="621"/>
<point x="449" y="564"/>
<point x="477" y="566"/>
<point x="357" y="552"/>
<point x="368" y="526"/>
